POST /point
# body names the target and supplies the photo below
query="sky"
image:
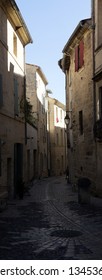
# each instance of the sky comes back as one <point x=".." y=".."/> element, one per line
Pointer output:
<point x="51" y="23"/>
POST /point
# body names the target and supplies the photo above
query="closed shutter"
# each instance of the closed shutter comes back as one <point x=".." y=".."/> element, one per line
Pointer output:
<point x="81" y="46"/>
<point x="76" y="58"/>
<point x="1" y="92"/>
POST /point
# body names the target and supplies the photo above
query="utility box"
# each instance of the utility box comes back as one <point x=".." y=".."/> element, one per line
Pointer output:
<point x="84" y="190"/>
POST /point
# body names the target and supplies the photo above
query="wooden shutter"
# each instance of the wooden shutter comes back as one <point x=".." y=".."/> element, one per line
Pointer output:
<point x="81" y="59"/>
<point x="1" y="92"/>
<point x="76" y="59"/>
<point x="81" y="122"/>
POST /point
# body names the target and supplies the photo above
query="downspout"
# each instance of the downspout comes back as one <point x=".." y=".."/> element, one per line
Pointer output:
<point x="94" y="83"/>
<point x="25" y="100"/>
<point x="93" y="52"/>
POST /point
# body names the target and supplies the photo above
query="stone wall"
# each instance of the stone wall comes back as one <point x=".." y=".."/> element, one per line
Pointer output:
<point x="83" y="150"/>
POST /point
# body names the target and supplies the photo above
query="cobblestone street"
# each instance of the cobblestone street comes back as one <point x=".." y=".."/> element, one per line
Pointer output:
<point x="49" y="223"/>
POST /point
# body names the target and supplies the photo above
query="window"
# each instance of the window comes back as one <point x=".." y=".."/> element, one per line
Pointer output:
<point x="79" y="56"/>
<point x="100" y="102"/>
<point x="14" y="44"/>
<point x="81" y="122"/>
<point x="1" y="92"/>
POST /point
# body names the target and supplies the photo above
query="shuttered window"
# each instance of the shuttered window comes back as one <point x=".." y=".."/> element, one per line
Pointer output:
<point x="81" y="47"/>
<point x="81" y="122"/>
<point x="76" y="59"/>
<point x="1" y="92"/>
<point x="79" y="56"/>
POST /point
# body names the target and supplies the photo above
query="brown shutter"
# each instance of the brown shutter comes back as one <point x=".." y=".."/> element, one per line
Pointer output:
<point x="81" y="46"/>
<point x="76" y="59"/>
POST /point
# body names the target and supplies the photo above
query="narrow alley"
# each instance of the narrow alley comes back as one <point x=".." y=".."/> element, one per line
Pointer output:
<point x="49" y="223"/>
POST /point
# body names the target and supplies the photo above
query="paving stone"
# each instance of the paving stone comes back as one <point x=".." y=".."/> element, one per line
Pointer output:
<point x="51" y="224"/>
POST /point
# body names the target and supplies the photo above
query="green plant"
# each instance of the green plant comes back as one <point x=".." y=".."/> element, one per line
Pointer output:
<point x="26" y="108"/>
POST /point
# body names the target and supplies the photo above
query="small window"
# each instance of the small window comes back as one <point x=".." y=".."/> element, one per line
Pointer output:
<point x="14" y="44"/>
<point x="81" y="122"/>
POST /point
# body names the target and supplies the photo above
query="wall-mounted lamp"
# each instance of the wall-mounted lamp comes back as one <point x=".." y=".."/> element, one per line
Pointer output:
<point x="67" y="118"/>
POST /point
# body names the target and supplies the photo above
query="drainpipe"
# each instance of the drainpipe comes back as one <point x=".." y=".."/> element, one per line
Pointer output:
<point x="93" y="51"/>
<point x="94" y="83"/>
<point x="25" y="100"/>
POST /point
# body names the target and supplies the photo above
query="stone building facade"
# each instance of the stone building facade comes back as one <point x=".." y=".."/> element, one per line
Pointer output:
<point x="14" y="36"/>
<point x="56" y="137"/>
<point x="77" y="64"/>
<point x="36" y="83"/>
<point x="97" y="80"/>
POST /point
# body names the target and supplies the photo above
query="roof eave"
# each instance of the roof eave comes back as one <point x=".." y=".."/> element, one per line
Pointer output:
<point x="82" y="24"/>
<point x="40" y="72"/>
<point x="14" y="15"/>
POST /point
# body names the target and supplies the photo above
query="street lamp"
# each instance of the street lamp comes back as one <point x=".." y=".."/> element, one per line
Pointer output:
<point x="67" y="119"/>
